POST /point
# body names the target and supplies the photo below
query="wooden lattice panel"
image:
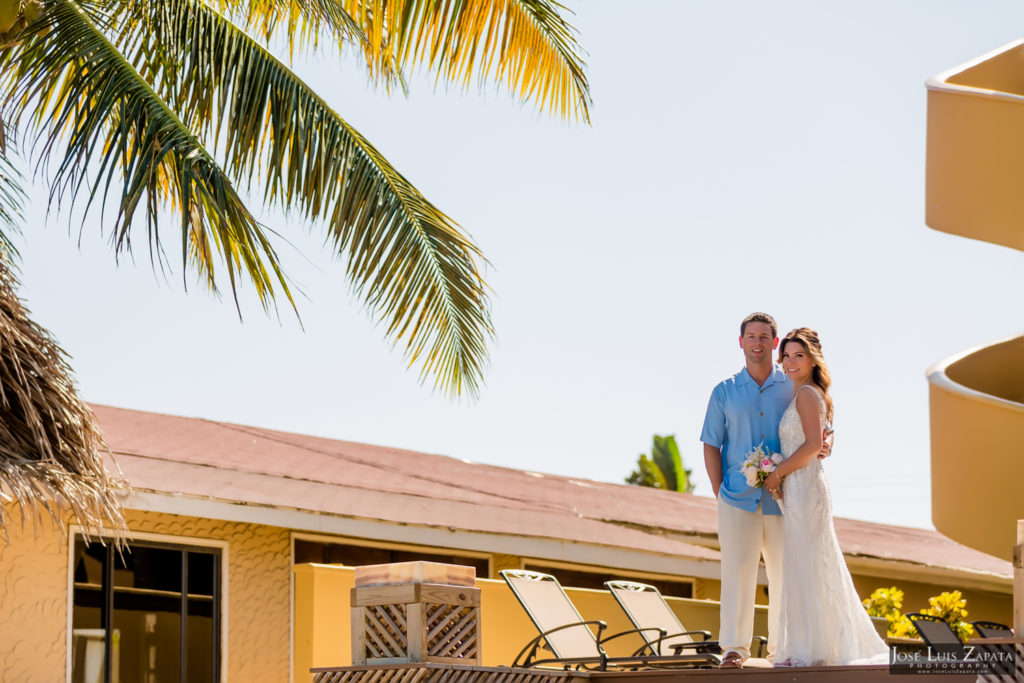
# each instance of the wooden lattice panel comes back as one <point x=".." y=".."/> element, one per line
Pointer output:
<point x="386" y="632"/>
<point x="453" y="631"/>
<point x="1014" y="661"/>
<point x="415" y="623"/>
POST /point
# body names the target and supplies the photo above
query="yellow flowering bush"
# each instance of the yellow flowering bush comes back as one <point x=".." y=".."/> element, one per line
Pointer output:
<point x="949" y="606"/>
<point x="887" y="602"/>
<point x="901" y="627"/>
<point x="884" y="602"/>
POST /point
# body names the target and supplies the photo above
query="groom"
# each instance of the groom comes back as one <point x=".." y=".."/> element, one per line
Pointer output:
<point x="744" y="411"/>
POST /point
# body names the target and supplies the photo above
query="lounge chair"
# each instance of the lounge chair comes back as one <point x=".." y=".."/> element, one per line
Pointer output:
<point x="991" y="629"/>
<point x="646" y="608"/>
<point x="935" y="632"/>
<point x="938" y="635"/>
<point x="1008" y="660"/>
<point x="569" y="638"/>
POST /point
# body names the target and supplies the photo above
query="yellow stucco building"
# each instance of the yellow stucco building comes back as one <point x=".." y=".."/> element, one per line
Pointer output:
<point x="243" y="542"/>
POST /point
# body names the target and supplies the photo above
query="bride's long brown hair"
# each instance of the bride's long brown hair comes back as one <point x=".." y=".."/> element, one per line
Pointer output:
<point x="808" y="338"/>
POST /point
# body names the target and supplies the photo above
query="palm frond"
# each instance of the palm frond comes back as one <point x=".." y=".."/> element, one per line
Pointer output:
<point x="12" y="198"/>
<point x="527" y="44"/>
<point x="50" y="449"/>
<point x="304" y="21"/>
<point x="409" y="261"/>
<point x="89" y="105"/>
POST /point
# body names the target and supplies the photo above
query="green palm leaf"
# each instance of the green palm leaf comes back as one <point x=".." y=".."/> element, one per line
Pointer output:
<point x="153" y="91"/>
<point x="407" y="259"/>
<point x="88" y="104"/>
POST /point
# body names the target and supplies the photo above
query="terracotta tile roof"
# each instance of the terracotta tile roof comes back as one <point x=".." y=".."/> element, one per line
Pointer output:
<point x="235" y="463"/>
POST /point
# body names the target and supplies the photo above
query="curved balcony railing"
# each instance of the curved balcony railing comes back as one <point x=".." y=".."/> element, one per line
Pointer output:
<point x="975" y="160"/>
<point x="977" y="442"/>
<point x="975" y="188"/>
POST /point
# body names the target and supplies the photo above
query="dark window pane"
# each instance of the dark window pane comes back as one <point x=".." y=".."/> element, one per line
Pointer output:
<point x="147" y="631"/>
<point x="200" y="574"/>
<point x="357" y="555"/>
<point x="88" y="562"/>
<point x="201" y="639"/>
<point x="150" y="568"/>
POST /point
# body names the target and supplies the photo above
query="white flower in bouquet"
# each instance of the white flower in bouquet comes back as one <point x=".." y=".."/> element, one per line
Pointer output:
<point x="759" y="464"/>
<point x="751" y="475"/>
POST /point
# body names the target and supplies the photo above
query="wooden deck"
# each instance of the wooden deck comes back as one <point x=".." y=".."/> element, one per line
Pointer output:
<point x="449" y="673"/>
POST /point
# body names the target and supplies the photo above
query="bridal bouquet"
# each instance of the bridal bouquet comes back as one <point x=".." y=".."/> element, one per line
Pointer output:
<point x="759" y="464"/>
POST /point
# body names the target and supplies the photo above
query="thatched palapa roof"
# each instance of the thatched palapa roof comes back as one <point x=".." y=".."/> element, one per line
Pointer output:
<point x="50" y="449"/>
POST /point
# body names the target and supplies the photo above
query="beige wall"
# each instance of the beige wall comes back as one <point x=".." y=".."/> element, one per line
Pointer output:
<point x="33" y="597"/>
<point x="33" y="602"/>
<point x="322" y="617"/>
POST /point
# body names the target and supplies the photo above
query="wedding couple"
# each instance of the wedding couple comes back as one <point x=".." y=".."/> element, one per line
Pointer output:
<point x="814" y="614"/>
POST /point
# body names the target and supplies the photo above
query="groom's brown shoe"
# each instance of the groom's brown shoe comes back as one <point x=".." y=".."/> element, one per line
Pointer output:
<point x="731" y="660"/>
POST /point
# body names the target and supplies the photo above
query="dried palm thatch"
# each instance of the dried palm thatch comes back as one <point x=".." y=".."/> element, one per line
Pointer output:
<point x="50" y="450"/>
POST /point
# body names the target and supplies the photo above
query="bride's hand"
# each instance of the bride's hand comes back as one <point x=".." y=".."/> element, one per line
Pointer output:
<point x="827" y="438"/>
<point x="773" y="484"/>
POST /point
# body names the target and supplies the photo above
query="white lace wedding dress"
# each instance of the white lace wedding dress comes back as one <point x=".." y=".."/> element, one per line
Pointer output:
<point x="822" y="620"/>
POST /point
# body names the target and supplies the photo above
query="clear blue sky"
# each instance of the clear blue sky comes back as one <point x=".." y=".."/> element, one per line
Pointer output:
<point x="743" y="156"/>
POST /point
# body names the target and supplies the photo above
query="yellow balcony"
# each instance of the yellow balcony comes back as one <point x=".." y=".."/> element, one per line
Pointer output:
<point x="975" y="158"/>
<point x="322" y="635"/>
<point x="977" y="443"/>
<point x="975" y="188"/>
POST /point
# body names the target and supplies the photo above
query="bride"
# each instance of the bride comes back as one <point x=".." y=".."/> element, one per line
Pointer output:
<point x="822" y="621"/>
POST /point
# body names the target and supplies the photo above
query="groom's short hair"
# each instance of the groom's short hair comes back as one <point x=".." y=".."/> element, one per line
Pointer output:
<point x="760" y="318"/>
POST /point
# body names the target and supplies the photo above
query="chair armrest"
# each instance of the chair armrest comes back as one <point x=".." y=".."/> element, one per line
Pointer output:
<point x="705" y="635"/>
<point x="531" y="648"/>
<point x="659" y="631"/>
<point x="700" y="645"/>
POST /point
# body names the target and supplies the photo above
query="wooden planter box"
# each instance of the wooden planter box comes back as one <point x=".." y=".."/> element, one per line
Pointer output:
<point x="415" y="612"/>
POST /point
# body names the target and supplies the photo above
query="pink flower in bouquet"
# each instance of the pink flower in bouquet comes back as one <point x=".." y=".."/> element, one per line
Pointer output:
<point x="759" y="464"/>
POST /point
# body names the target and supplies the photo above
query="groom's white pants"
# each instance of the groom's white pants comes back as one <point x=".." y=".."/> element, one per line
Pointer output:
<point x="743" y="537"/>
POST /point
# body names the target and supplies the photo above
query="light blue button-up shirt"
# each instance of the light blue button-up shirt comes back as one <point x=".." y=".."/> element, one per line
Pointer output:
<point x="740" y="416"/>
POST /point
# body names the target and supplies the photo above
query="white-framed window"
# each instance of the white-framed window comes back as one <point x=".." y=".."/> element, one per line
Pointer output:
<point x="152" y="613"/>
